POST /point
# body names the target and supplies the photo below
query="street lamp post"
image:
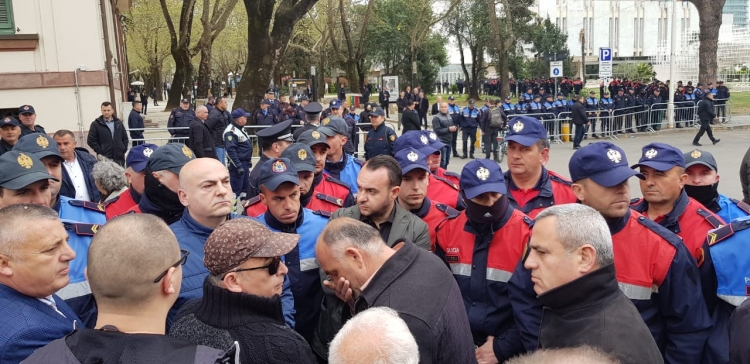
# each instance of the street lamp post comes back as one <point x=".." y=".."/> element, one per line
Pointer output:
<point x="314" y="84"/>
<point x="672" y="57"/>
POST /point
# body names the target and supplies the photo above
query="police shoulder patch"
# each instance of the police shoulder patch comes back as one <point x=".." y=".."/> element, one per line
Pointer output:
<point x="251" y="202"/>
<point x="338" y="182"/>
<point x="635" y="201"/>
<point x="447" y="210"/>
<point x="742" y="205"/>
<point x="330" y="199"/>
<point x="446" y="181"/>
<point x="560" y="179"/>
<point x="87" y="205"/>
<point x="358" y="161"/>
<point x="325" y="214"/>
<point x="87" y="229"/>
<point x="529" y="221"/>
<point x="452" y="174"/>
<point x="718" y="235"/>
<point x="659" y="230"/>
<point x="711" y="218"/>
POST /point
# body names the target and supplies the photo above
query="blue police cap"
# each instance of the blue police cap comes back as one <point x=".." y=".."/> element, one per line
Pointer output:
<point x="21" y="169"/>
<point x="313" y="137"/>
<point x="10" y="121"/>
<point x="185" y="101"/>
<point x="280" y="131"/>
<point x="26" y="109"/>
<point x="602" y="162"/>
<point x="170" y="157"/>
<point x="526" y="130"/>
<point x="410" y="159"/>
<point x="451" y="98"/>
<point x="138" y="156"/>
<point x="266" y="102"/>
<point x="276" y="171"/>
<point x="480" y="176"/>
<point x="334" y="125"/>
<point x="433" y="139"/>
<point x="376" y="110"/>
<point x="661" y="157"/>
<point x="414" y="139"/>
<point x="38" y="144"/>
<point x="238" y="113"/>
<point x="301" y="156"/>
<point x="698" y="156"/>
<point x="334" y="104"/>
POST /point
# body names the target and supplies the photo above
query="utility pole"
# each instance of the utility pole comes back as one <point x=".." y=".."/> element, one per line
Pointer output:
<point x="672" y="58"/>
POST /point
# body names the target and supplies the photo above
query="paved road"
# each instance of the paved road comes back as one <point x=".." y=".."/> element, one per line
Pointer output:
<point x="728" y="154"/>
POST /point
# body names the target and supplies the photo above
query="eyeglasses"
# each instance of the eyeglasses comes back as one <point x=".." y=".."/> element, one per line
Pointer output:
<point x="273" y="267"/>
<point x="182" y="261"/>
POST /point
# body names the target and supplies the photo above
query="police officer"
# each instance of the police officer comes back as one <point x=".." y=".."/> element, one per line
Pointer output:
<point x="654" y="269"/>
<point x="521" y="106"/>
<point x="179" y="121"/>
<point x="135" y="165"/>
<point x="665" y="200"/>
<point x="531" y="187"/>
<point x="311" y="117"/>
<point x="380" y="138"/>
<point x="592" y="108"/>
<point x="469" y="123"/>
<point x="266" y="115"/>
<point x="239" y="149"/>
<point x="455" y="112"/>
<point x="300" y="108"/>
<point x="535" y="106"/>
<point x="606" y="107"/>
<point x="24" y="180"/>
<point x="508" y="107"/>
<point x="10" y="131"/>
<point x="656" y="103"/>
<point x="482" y="246"/>
<point x="630" y="105"/>
<point x="326" y="187"/>
<point x="413" y="194"/>
<point x="722" y="96"/>
<point x="27" y="114"/>
<point x="434" y="159"/>
<point x="620" y="109"/>
<point x="279" y="190"/>
<point x="702" y="185"/>
<point x="273" y="140"/>
<point x="340" y="164"/>
<point x="45" y="148"/>
<point x="560" y="105"/>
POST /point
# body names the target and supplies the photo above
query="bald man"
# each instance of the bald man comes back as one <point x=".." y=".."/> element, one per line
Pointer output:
<point x="200" y="138"/>
<point x="207" y="196"/>
<point x="133" y="303"/>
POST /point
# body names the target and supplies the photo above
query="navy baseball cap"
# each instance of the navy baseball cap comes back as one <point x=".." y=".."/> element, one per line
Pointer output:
<point x="301" y="156"/>
<point x="376" y="110"/>
<point x="266" y="102"/>
<point x="21" y="169"/>
<point x="334" y="104"/>
<point x="334" y="125"/>
<point x="451" y="98"/>
<point x="10" y="121"/>
<point x="26" y="109"/>
<point x="170" y="157"/>
<point x="526" y="130"/>
<point x="507" y="97"/>
<point x="185" y="101"/>
<point x="138" y="156"/>
<point x="238" y="113"/>
<point x="433" y="139"/>
<point x="313" y="137"/>
<point x="698" y="156"/>
<point x="276" y="171"/>
<point x="480" y="176"/>
<point x="414" y="139"/>
<point x="602" y="162"/>
<point x="38" y="144"/>
<point x="661" y="157"/>
<point x="410" y="159"/>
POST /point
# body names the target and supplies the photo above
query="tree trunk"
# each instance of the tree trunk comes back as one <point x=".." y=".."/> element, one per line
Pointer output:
<point x="204" y="71"/>
<point x="180" y="50"/>
<point x="710" y="23"/>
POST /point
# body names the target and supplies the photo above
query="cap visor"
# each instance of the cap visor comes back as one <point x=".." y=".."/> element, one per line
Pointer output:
<point x="427" y="150"/>
<point x="659" y="166"/>
<point x="175" y="170"/>
<point x="316" y="142"/>
<point x="327" y="131"/>
<point x="45" y="154"/>
<point x="412" y="167"/>
<point x="139" y="166"/>
<point x="615" y="176"/>
<point x="497" y="187"/>
<point x="27" y="179"/>
<point x="688" y="165"/>
<point x="438" y="145"/>
<point x="278" y="245"/>
<point x="276" y="181"/>
<point x="304" y="167"/>
<point x="524" y="140"/>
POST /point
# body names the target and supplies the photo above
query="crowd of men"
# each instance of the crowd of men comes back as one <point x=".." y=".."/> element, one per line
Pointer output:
<point x="174" y="254"/>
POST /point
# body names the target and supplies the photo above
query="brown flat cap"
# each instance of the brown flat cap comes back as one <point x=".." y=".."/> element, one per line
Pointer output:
<point x="240" y="239"/>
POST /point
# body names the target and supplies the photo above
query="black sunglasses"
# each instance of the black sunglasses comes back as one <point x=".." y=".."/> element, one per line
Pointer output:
<point x="273" y="267"/>
<point x="182" y="261"/>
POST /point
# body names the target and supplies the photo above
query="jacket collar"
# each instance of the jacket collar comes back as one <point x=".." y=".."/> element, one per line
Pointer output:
<point x="221" y="308"/>
<point x="391" y="270"/>
<point x="275" y="224"/>
<point x="616" y="225"/>
<point x="478" y="229"/>
<point x="671" y="219"/>
<point x="543" y="185"/>
<point x="195" y="228"/>
<point x="597" y="286"/>
<point x="424" y="210"/>
<point x="336" y="167"/>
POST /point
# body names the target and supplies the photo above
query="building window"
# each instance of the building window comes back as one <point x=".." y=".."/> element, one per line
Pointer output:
<point x="6" y="18"/>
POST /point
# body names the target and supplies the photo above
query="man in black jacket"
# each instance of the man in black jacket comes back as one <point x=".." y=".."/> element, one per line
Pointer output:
<point x="410" y="117"/>
<point x="218" y="120"/>
<point x="706" y="114"/>
<point x="572" y="265"/>
<point x="424" y="107"/>
<point x="199" y="137"/>
<point x="107" y="136"/>
<point x="384" y="98"/>
<point x="580" y="120"/>
<point x="135" y="121"/>
<point x="432" y="309"/>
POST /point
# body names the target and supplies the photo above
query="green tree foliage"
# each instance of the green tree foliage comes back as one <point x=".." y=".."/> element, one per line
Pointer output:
<point x="634" y="71"/>
<point x="469" y="26"/>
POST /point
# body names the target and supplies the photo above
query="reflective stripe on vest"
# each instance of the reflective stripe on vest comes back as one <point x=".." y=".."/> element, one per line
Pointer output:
<point x="634" y="292"/>
<point x="497" y="275"/>
<point x="74" y="290"/>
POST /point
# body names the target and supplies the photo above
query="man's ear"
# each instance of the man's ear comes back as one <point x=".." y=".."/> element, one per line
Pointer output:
<point x="170" y="283"/>
<point x="182" y="195"/>
<point x="5" y="268"/>
<point x="588" y="259"/>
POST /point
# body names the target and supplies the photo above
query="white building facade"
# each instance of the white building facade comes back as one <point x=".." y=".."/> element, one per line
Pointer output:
<point x="62" y="57"/>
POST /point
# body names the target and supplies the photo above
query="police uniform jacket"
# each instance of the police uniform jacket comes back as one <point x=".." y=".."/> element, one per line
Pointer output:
<point x="303" y="274"/>
<point x="433" y="213"/>
<point x="253" y="188"/>
<point x="621" y="102"/>
<point x="5" y="147"/>
<point x="470" y="118"/>
<point x="444" y="191"/>
<point x="508" y="108"/>
<point x="379" y="141"/>
<point x="122" y="203"/>
<point x="453" y="177"/>
<point x="192" y="236"/>
<point x="345" y="170"/>
<point x="482" y="259"/>
<point x="82" y="220"/>
<point x="592" y="104"/>
<point x="656" y="272"/>
<point x="266" y="117"/>
<point x="722" y="94"/>
<point x="688" y="219"/>
<point x="591" y="310"/>
<point x="551" y="189"/>
<point x="26" y="131"/>
<point x="180" y="118"/>
<point x="607" y="104"/>
<point x="238" y="144"/>
<point x="455" y="112"/>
